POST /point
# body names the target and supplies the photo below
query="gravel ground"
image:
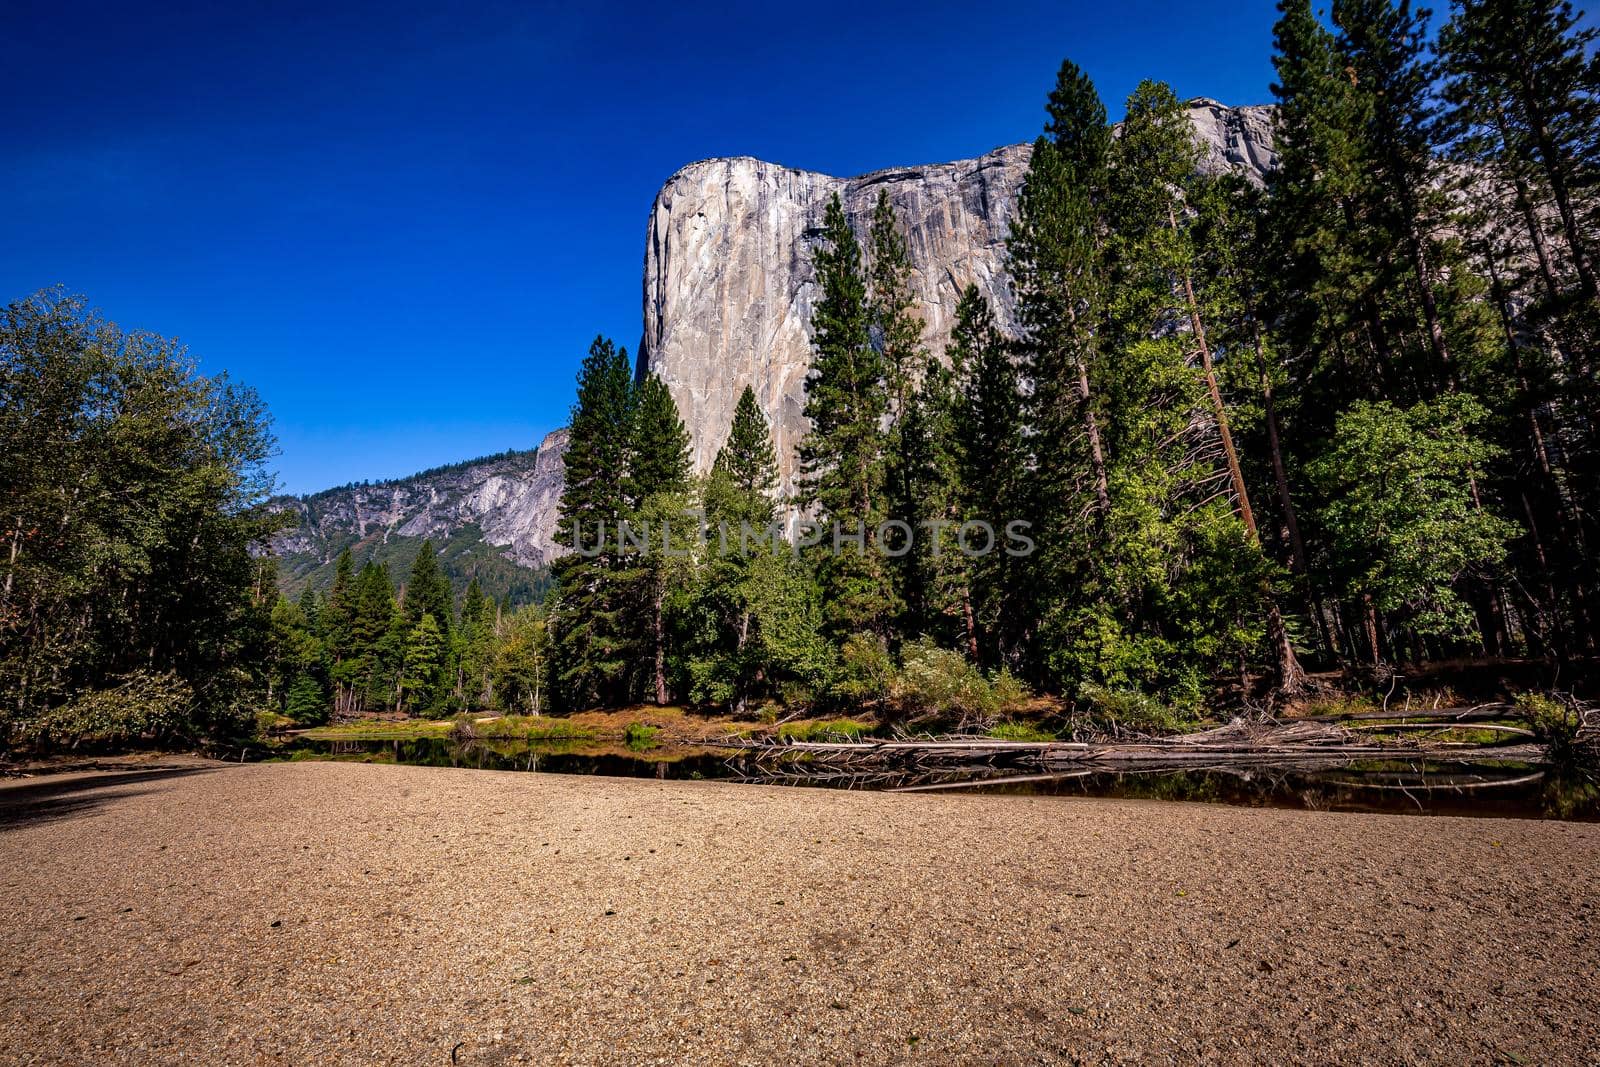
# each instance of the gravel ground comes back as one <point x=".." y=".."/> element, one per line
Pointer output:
<point x="346" y="913"/>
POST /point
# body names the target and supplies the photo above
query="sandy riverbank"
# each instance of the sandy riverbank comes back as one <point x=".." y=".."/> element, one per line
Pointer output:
<point x="330" y="912"/>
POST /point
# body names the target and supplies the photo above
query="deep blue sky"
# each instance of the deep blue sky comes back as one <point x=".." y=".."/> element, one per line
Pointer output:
<point x="403" y="223"/>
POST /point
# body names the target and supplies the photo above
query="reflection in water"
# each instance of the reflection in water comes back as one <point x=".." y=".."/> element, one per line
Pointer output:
<point x="1510" y="789"/>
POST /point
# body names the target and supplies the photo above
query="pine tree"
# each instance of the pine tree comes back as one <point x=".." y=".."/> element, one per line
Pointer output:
<point x="374" y="653"/>
<point x="473" y="651"/>
<point x="1156" y="183"/>
<point x="334" y="624"/>
<point x="842" y="457"/>
<point x="428" y="591"/>
<point x="590" y="648"/>
<point x="725" y="662"/>
<point x="747" y="464"/>
<point x="658" y="482"/>
<point x="658" y="459"/>
<point x="897" y="331"/>
<point x="1057" y="269"/>
<point x="1522" y="78"/>
<point x="1524" y="124"/>
<point x="423" y="663"/>
<point x="991" y="467"/>
<point x="931" y="574"/>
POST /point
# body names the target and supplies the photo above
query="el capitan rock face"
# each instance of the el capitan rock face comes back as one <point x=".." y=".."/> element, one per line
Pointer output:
<point x="728" y="285"/>
<point x="728" y="293"/>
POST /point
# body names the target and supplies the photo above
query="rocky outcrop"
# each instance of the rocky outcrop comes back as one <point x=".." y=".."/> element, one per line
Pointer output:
<point x="728" y="286"/>
<point x="510" y="499"/>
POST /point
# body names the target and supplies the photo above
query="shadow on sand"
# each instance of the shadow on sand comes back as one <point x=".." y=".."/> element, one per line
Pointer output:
<point x="64" y="795"/>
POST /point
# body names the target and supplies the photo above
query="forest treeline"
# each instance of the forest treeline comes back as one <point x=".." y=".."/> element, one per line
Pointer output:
<point x="1345" y="418"/>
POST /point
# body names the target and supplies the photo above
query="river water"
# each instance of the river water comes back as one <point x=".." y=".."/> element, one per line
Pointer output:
<point x="1500" y="790"/>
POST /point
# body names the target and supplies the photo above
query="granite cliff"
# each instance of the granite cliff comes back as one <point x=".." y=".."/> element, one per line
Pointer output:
<point x="728" y="286"/>
<point x="728" y="291"/>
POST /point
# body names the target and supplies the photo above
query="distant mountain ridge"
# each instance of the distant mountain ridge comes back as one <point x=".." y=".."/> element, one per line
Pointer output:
<point x="492" y="518"/>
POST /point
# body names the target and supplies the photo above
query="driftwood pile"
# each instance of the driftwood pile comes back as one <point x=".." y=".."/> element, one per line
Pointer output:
<point x="1305" y="743"/>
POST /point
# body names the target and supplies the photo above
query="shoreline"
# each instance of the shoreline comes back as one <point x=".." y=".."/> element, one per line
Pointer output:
<point x="405" y="914"/>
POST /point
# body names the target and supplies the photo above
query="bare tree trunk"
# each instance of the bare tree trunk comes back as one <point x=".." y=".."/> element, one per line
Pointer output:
<point x="972" y="623"/>
<point x="658" y="631"/>
<point x="1430" y="305"/>
<point x="1097" y="456"/>
<point x="1369" y="617"/>
<point x="1555" y="173"/>
<point x="1291" y="678"/>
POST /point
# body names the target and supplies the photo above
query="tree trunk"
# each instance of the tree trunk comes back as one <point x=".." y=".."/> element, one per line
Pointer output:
<point x="1291" y="678"/>
<point x="1430" y="305"/>
<point x="1555" y="172"/>
<point x="658" y="631"/>
<point x="1369" y="616"/>
<point x="1097" y="456"/>
<point x="971" y="622"/>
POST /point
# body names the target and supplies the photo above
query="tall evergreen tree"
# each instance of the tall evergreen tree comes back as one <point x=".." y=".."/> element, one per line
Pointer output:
<point x="990" y="456"/>
<point x="376" y="629"/>
<point x="897" y="331"/>
<point x="658" y="481"/>
<point x="428" y="590"/>
<point x="1156" y="186"/>
<point x="731" y="657"/>
<point x="842" y="457"/>
<point x="1057" y="269"/>
<point x="747" y="464"/>
<point x="590" y="633"/>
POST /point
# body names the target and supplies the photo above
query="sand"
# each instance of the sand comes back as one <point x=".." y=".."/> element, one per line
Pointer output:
<point x="346" y="913"/>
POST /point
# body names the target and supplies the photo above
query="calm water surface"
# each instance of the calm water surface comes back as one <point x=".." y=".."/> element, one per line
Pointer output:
<point x="1506" y="790"/>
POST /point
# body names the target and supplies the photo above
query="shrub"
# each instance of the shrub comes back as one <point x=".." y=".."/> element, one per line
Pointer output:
<point x="1009" y="691"/>
<point x="937" y="680"/>
<point x="1126" y="709"/>
<point x="934" y="679"/>
<point x="1341" y="706"/>
<point x="1553" y="722"/>
<point x="143" y="706"/>
<point x="640" y="735"/>
<point x="866" y="673"/>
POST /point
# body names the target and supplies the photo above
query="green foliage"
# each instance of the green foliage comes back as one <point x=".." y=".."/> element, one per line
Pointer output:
<point x="1555" y="723"/>
<point x="133" y="491"/>
<point x="824" y="730"/>
<point x="640" y="736"/>
<point x="865" y="673"/>
<point x="463" y="558"/>
<point x="1127" y="710"/>
<point x="933" y="680"/>
<point x="842" y="456"/>
<point x="420" y="675"/>
<point x="141" y="708"/>
<point x="988" y="422"/>
<point x="591" y="648"/>
<point x="520" y="662"/>
<point x="1402" y="525"/>
<point x="427" y="591"/>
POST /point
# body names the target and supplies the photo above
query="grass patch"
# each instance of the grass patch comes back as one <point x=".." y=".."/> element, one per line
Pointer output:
<point x="1020" y="731"/>
<point x="379" y="731"/>
<point x="1342" y="706"/>
<point x="824" y="730"/>
<point x="533" y="728"/>
<point x="640" y="736"/>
